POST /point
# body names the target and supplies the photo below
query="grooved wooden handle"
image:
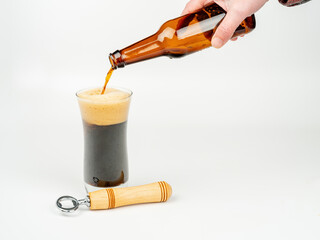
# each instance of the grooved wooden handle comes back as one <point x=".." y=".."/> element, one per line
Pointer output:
<point x="117" y="197"/>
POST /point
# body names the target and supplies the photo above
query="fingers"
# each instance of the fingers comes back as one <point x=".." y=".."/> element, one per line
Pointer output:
<point x="226" y="28"/>
<point x="194" y="5"/>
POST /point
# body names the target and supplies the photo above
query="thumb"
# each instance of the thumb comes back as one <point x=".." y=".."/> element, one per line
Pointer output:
<point x="226" y="29"/>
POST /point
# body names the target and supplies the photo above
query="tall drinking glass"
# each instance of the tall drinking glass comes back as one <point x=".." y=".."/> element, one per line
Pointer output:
<point x="105" y="136"/>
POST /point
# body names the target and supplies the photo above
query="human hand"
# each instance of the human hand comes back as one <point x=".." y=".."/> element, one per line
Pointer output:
<point x="237" y="11"/>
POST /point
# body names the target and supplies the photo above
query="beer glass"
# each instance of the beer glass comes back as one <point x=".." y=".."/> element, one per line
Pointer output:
<point x="104" y="119"/>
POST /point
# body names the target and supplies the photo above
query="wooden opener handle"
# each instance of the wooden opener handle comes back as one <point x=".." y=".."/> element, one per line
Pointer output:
<point x="117" y="197"/>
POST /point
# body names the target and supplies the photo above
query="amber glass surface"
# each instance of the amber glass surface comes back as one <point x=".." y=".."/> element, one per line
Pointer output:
<point x="179" y="37"/>
<point x="291" y="3"/>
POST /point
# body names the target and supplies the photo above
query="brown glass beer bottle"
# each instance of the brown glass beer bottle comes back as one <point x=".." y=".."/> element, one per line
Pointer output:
<point x="179" y="37"/>
<point x="291" y="3"/>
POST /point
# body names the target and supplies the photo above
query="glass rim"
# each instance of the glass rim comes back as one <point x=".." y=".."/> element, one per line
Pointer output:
<point x="114" y="87"/>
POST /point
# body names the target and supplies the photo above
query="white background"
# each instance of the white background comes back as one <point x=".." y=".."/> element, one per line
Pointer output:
<point x="235" y="131"/>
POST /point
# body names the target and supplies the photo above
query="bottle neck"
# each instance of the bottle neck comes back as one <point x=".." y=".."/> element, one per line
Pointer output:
<point x="145" y="49"/>
<point x="116" y="60"/>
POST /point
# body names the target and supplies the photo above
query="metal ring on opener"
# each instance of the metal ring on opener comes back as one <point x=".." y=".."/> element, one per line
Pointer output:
<point x="68" y="199"/>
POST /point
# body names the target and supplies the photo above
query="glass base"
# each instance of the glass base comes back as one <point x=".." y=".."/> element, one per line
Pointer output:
<point x="90" y="188"/>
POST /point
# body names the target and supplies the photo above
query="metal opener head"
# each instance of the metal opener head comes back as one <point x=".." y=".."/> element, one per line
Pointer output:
<point x="70" y="204"/>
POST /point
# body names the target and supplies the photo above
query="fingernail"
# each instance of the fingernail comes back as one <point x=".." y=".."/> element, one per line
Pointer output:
<point x="217" y="42"/>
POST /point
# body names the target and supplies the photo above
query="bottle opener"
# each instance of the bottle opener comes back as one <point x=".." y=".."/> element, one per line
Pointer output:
<point x="117" y="197"/>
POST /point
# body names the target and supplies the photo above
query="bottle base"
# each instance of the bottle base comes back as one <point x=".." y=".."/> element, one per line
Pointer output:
<point x="90" y="188"/>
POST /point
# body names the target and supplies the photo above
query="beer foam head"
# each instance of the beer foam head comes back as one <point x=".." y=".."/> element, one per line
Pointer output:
<point x="112" y="107"/>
